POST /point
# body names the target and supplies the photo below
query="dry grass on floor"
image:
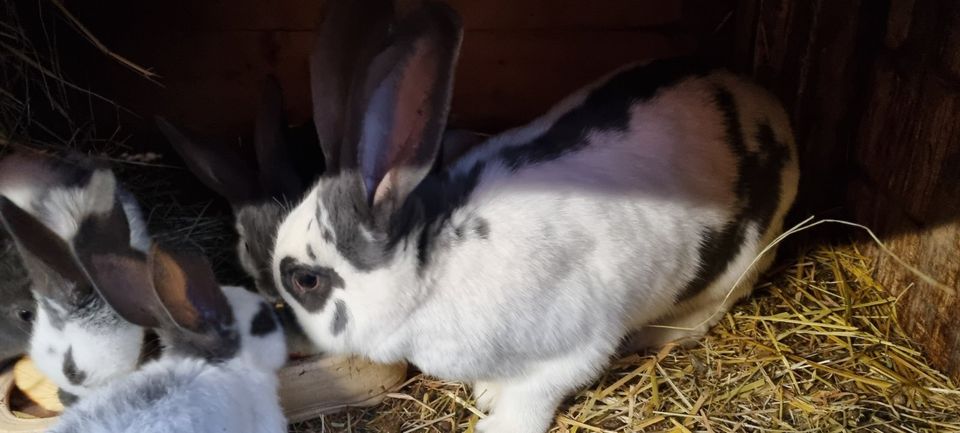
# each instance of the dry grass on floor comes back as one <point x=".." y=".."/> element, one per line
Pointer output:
<point x="818" y="348"/>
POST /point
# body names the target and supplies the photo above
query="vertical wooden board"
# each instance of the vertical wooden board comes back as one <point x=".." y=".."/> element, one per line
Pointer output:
<point x="908" y="165"/>
<point x="810" y="55"/>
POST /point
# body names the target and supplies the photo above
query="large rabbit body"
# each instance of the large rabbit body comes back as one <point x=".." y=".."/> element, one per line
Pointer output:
<point x="183" y="392"/>
<point x="77" y="340"/>
<point x="640" y="200"/>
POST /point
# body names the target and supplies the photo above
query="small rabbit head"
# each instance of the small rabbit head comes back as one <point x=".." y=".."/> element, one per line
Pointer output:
<point x="178" y="295"/>
<point x="347" y="247"/>
<point x="285" y="167"/>
<point x="78" y="340"/>
<point x="257" y="191"/>
<point x="19" y="309"/>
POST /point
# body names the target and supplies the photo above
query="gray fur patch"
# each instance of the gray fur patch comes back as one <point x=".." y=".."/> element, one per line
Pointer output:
<point x="66" y="398"/>
<point x="56" y="319"/>
<point x="343" y="200"/>
<point x="340" y="318"/>
<point x="70" y="370"/>
<point x="259" y="225"/>
<point x="310" y="253"/>
<point x="481" y="227"/>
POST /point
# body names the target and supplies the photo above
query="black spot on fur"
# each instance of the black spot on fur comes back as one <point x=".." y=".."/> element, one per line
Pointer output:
<point x="264" y="323"/>
<point x="327" y="235"/>
<point x="605" y="108"/>
<point x="310" y="225"/>
<point x="757" y="190"/>
<point x="433" y="203"/>
<point x="481" y="227"/>
<point x="310" y="253"/>
<point x="73" y="374"/>
<point x="458" y="233"/>
<point x="311" y="300"/>
<point x="66" y="398"/>
<point x="340" y="318"/>
<point x="151" y="347"/>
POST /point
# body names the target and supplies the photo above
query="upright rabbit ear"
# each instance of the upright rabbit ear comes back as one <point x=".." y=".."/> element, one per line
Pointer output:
<point x="351" y="33"/>
<point x="188" y="291"/>
<point x="217" y="166"/>
<point x="278" y="174"/>
<point x="405" y="102"/>
<point x="48" y="257"/>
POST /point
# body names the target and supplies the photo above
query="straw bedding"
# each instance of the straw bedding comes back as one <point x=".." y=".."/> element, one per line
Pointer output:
<point x="817" y="348"/>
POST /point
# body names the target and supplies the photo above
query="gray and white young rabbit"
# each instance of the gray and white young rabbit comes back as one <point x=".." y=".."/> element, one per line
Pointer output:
<point x="77" y="340"/>
<point x="18" y="309"/>
<point x="261" y="192"/>
<point x="223" y="345"/>
<point x="639" y="200"/>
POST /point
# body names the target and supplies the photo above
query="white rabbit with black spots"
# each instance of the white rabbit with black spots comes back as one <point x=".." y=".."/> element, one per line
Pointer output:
<point x="224" y="346"/>
<point x="639" y="200"/>
<point x="76" y="340"/>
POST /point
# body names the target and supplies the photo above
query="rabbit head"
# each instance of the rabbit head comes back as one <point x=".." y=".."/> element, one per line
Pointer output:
<point x="19" y="309"/>
<point x="78" y="340"/>
<point x="178" y="295"/>
<point x="342" y="239"/>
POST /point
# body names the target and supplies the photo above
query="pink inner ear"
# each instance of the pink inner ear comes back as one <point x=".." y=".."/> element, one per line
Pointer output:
<point x="411" y="115"/>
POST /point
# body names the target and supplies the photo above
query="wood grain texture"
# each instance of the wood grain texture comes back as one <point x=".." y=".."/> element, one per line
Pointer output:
<point x="875" y="98"/>
<point x="519" y="56"/>
<point x="908" y="157"/>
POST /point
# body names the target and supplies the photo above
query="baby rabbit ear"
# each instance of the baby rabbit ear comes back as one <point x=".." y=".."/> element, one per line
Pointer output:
<point x="217" y="166"/>
<point x="188" y="291"/>
<point x="46" y="256"/>
<point x="278" y="174"/>
<point x="120" y="274"/>
<point x="405" y="104"/>
<point x="351" y="33"/>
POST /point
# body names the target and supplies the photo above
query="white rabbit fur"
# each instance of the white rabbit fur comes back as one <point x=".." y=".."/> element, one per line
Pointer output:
<point x="79" y="347"/>
<point x="186" y="394"/>
<point x="639" y="200"/>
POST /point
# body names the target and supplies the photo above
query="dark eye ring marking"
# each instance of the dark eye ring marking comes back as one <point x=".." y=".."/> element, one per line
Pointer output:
<point x="309" y="285"/>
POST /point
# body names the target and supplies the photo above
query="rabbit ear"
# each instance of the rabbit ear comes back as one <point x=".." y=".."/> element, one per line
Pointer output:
<point x="217" y="166"/>
<point x="278" y="174"/>
<point x="120" y="274"/>
<point x="188" y="291"/>
<point x="351" y="33"/>
<point x="405" y="102"/>
<point x="46" y="256"/>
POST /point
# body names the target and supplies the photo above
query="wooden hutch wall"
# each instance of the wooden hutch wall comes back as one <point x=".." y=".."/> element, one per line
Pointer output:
<point x="873" y="87"/>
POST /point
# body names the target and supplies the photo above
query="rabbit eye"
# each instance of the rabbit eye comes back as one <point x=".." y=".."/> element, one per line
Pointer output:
<point x="305" y="280"/>
<point x="25" y="315"/>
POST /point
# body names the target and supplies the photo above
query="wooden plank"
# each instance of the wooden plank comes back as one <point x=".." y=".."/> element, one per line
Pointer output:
<point x="875" y="97"/>
<point x="908" y="156"/>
